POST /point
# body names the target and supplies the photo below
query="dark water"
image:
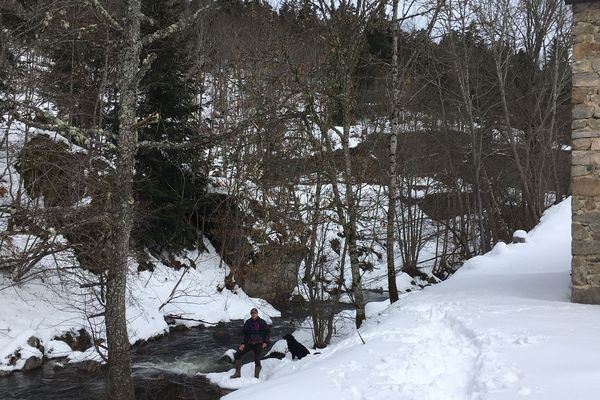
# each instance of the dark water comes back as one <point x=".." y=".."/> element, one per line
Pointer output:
<point x="163" y="369"/>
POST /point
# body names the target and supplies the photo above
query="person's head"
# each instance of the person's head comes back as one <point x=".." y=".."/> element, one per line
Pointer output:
<point x="254" y="313"/>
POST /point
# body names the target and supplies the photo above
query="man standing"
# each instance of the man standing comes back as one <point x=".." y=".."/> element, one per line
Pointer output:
<point x="256" y="338"/>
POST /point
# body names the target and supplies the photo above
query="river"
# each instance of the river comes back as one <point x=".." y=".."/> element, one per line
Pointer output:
<point x="166" y="368"/>
<point x="163" y="369"/>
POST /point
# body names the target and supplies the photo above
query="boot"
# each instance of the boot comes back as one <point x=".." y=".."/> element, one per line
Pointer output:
<point x="257" y="369"/>
<point x="238" y="369"/>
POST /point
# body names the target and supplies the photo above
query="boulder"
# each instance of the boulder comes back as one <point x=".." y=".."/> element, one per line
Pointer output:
<point x="32" y="362"/>
<point x="88" y="366"/>
<point x="77" y="341"/>
<point x="36" y="343"/>
<point x="273" y="274"/>
<point x="519" y="236"/>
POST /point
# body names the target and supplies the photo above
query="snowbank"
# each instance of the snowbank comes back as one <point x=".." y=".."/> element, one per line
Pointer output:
<point x="501" y="328"/>
<point x="53" y="304"/>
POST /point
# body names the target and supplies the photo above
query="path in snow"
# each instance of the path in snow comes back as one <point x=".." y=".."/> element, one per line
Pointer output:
<point x="502" y="328"/>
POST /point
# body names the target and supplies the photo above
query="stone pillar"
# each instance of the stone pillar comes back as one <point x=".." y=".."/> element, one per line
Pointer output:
<point x="585" y="168"/>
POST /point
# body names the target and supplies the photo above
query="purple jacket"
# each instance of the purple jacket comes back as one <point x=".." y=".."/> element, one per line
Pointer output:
<point x="256" y="331"/>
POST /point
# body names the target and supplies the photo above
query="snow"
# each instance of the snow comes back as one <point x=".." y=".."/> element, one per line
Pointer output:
<point x="520" y="234"/>
<point x="49" y="305"/>
<point x="501" y="328"/>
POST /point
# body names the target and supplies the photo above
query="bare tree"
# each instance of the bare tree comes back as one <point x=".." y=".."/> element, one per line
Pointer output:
<point x="119" y="200"/>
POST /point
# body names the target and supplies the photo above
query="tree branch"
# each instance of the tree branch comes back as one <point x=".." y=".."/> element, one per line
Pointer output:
<point x="145" y="67"/>
<point x="149" y="120"/>
<point x="49" y="122"/>
<point x="104" y="14"/>
<point x="174" y="28"/>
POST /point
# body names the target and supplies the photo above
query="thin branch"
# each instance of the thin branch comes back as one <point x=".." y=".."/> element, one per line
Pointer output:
<point x="104" y="14"/>
<point x="97" y="315"/>
<point x="50" y="122"/>
<point x="174" y="28"/>
<point x="149" y="120"/>
<point x="145" y="67"/>
<point x="174" y="289"/>
<point x="173" y="316"/>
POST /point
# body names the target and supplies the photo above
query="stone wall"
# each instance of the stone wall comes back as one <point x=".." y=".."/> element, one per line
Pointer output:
<point x="585" y="170"/>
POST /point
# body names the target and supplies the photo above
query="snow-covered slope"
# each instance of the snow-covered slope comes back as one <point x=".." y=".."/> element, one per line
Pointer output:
<point x="53" y="303"/>
<point x="501" y="328"/>
<point x="57" y="296"/>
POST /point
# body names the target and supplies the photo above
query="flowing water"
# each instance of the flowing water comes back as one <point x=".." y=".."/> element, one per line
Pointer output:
<point x="163" y="369"/>
<point x="166" y="368"/>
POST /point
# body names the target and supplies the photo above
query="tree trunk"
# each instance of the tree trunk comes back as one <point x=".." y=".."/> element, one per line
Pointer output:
<point x="350" y="229"/>
<point x="392" y="184"/>
<point x="120" y="383"/>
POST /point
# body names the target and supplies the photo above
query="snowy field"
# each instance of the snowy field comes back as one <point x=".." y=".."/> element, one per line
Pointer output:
<point x="501" y="328"/>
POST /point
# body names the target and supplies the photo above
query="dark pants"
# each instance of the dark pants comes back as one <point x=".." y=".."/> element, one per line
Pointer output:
<point x="256" y="348"/>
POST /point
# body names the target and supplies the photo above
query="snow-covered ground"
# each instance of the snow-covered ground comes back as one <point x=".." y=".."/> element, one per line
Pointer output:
<point x="500" y="328"/>
<point x="54" y="303"/>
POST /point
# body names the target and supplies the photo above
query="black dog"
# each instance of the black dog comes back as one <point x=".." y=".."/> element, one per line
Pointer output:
<point x="295" y="347"/>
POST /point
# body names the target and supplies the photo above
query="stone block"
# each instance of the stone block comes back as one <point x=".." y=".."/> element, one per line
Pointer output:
<point x="582" y="27"/>
<point x="585" y="294"/>
<point x="589" y="213"/>
<point x="580" y="170"/>
<point x="582" y="262"/>
<point x="579" y="124"/>
<point x="590" y="218"/>
<point x="593" y="279"/>
<point x="593" y="124"/>
<point x="583" y="205"/>
<point x="586" y="79"/>
<point x="579" y="232"/>
<point x="585" y="157"/>
<point x="579" y="276"/>
<point x="582" y="144"/>
<point x="581" y="134"/>
<point x="582" y="66"/>
<point x="585" y="248"/>
<point x="583" y="111"/>
<point x="579" y="95"/>
<point x="592" y="14"/>
<point x="585" y="38"/>
<point x="585" y="47"/>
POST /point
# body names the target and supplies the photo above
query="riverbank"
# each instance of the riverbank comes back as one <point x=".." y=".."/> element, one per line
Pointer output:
<point x="162" y="369"/>
<point x="43" y="318"/>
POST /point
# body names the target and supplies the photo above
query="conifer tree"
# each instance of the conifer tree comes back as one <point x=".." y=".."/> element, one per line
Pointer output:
<point x="169" y="182"/>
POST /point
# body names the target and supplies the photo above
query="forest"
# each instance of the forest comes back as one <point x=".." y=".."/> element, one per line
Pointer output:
<point x="315" y="144"/>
